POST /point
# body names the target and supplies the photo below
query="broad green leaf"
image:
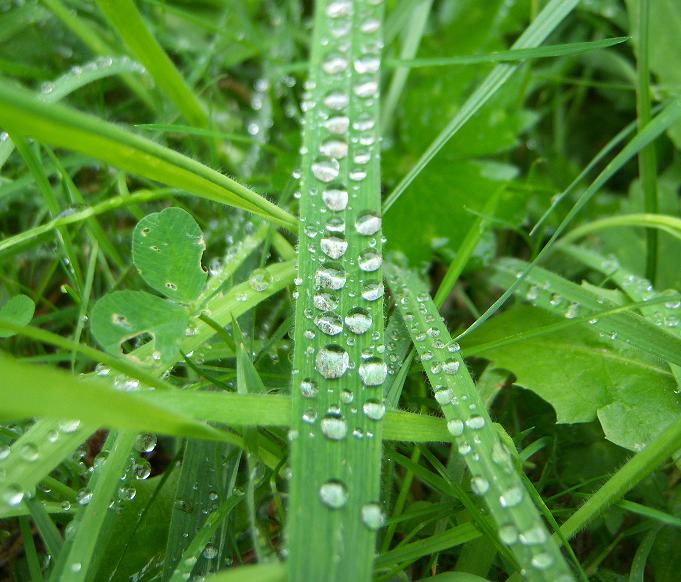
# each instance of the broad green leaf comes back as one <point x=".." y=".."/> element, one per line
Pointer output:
<point x="122" y="316"/>
<point x="18" y="310"/>
<point x="166" y="248"/>
<point x="629" y="391"/>
<point x="23" y="114"/>
<point x="418" y="225"/>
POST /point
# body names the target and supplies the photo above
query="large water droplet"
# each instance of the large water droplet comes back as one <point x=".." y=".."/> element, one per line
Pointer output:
<point x="13" y="495"/>
<point x="329" y="278"/>
<point x="542" y="561"/>
<point x="479" y="486"/>
<point x="450" y="366"/>
<point x="335" y="199"/>
<point x="325" y="169"/>
<point x="455" y="427"/>
<point x="332" y="361"/>
<point x="533" y="536"/>
<point x="333" y="494"/>
<point x="334" y="428"/>
<point x="337" y="124"/>
<point x="339" y="9"/>
<point x="334" y="148"/>
<point x="333" y="247"/>
<point x="325" y="302"/>
<point x="145" y="442"/>
<point x="336" y="101"/>
<point x="334" y="64"/>
<point x="374" y="410"/>
<point x="508" y="534"/>
<point x="475" y="422"/>
<point x="372" y="291"/>
<point x="368" y="224"/>
<point x="511" y="497"/>
<point x="366" y="89"/>
<point x="358" y="320"/>
<point x="367" y="64"/>
<point x="373" y="371"/>
<point x="329" y="323"/>
<point x="372" y="516"/>
<point x="369" y="261"/>
<point x="443" y="395"/>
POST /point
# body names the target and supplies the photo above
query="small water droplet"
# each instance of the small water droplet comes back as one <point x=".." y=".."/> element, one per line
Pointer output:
<point x="333" y="494"/>
<point x="374" y="410"/>
<point x="372" y="516"/>
<point x="308" y="388"/>
<point x="511" y="497"/>
<point x="334" y="427"/>
<point x="368" y="224"/>
<point x="260" y="280"/>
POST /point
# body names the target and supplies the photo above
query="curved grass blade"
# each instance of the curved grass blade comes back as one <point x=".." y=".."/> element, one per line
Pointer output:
<point x="74" y="79"/>
<point x="669" y="224"/>
<point x="23" y="114"/>
<point x="337" y="368"/>
<point x="259" y="573"/>
<point x="512" y="55"/>
<point x="558" y="295"/>
<point x="127" y="21"/>
<point x="545" y="23"/>
<point x="494" y="477"/>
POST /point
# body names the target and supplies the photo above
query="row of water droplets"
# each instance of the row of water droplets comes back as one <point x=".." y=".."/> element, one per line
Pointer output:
<point x="493" y="476"/>
<point x="340" y="244"/>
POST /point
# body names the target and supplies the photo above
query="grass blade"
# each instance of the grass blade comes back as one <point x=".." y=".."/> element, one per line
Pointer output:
<point x="547" y="20"/>
<point x="494" y="476"/>
<point x="23" y="114"/>
<point x="127" y="21"/>
<point x="338" y="372"/>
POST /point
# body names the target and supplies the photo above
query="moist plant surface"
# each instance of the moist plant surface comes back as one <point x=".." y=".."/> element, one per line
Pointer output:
<point x="343" y="290"/>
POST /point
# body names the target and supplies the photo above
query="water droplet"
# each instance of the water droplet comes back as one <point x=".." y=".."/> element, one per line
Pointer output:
<point x="13" y="495"/>
<point x="339" y="8"/>
<point x="332" y="361"/>
<point x="334" y="427"/>
<point x="451" y="366"/>
<point x="336" y="101"/>
<point x="334" y="64"/>
<point x="329" y="323"/>
<point x="369" y="261"/>
<point x="210" y="552"/>
<point x="455" y="427"/>
<point x="366" y="89"/>
<point x="333" y="494"/>
<point x="326" y="169"/>
<point x="308" y="388"/>
<point x="29" y="452"/>
<point x="479" y="486"/>
<point x="142" y="469"/>
<point x="333" y="247"/>
<point x="572" y="311"/>
<point x="260" y="280"/>
<point x="368" y="224"/>
<point x="367" y="64"/>
<point x="373" y="371"/>
<point x="443" y="395"/>
<point x="325" y="302"/>
<point x="329" y="278"/>
<point x="335" y="199"/>
<point x="334" y="148"/>
<point x="475" y="422"/>
<point x="374" y="410"/>
<point x="372" y="291"/>
<point x="508" y="534"/>
<point x="358" y="320"/>
<point x="338" y="124"/>
<point x="511" y="497"/>
<point x="533" y="536"/>
<point x="372" y="516"/>
<point x="84" y="496"/>
<point x="145" y="442"/>
<point x="542" y="561"/>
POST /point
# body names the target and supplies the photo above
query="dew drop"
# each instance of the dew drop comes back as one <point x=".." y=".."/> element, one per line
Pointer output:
<point x="145" y="442"/>
<point x="333" y="494"/>
<point x="328" y="278"/>
<point x="479" y="486"/>
<point x="451" y="366"/>
<point x="475" y="422"/>
<point x="334" y="148"/>
<point x="369" y="261"/>
<point x="372" y="291"/>
<point x="508" y="534"/>
<point x="334" y="428"/>
<point x="260" y="280"/>
<point x="542" y="561"/>
<point x="329" y="323"/>
<point x="326" y="169"/>
<point x="374" y="410"/>
<point x="368" y="224"/>
<point x="336" y="101"/>
<point x="358" y="320"/>
<point x="332" y="361"/>
<point x="443" y="395"/>
<point x="372" y="516"/>
<point x="84" y="496"/>
<point x="308" y="388"/>
<point x="29" y="452"/>
<point x="335" y="199"/>
<point x="333" y="246"/>
<point x="511" y="497"/>
<point x="325" y="302"/>
<point x="338" y="124"/>
<point x="533" y="536"/>
<point x="455" y="427"/>
<point x="13" y="495"/>
<point x="373" y="371"/>
<point x="334" y="64"/>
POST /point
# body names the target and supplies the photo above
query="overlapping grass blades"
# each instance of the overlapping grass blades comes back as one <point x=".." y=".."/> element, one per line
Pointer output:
<point x="338" y="369"/>
<point x="21" y="113"/>
<point x="494" y="474"/>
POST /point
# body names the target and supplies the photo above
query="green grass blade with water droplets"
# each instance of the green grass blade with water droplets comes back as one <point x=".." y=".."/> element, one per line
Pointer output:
<point x="493" y="473"/>
<point x="336" y="428"/>
<point x="23" y="114"/>
<point x="558" y="295"/>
